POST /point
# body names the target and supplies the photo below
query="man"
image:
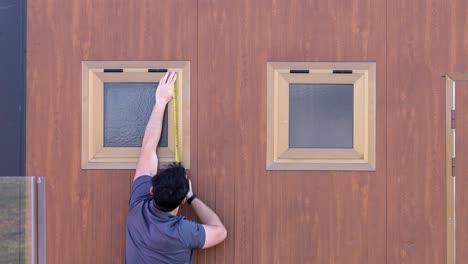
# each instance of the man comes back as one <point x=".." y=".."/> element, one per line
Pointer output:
<point x="155" y="233"/>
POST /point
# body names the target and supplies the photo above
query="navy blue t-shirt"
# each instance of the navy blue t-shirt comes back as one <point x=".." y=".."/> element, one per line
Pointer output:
<point x="154" y="236"/>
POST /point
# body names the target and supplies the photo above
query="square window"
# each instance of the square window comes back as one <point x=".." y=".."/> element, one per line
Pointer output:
<point x="321" y="116"/>
<point x="117" y="100"/>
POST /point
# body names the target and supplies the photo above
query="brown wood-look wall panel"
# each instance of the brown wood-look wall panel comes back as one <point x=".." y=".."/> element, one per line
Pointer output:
<point x="219" y="122"/>
<point x="86" y="209"/>
<point x="232" y="119"/>
<point x="285" y="217"/>
<point x="425" y="39"/>
<point x="328" y="217"/>
<point x="393" y="215"/>
<point x="457" y="42"/>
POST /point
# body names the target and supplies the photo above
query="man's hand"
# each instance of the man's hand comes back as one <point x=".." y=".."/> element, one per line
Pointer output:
<point x="165" y="90"/>
<point x="190" y="192"/>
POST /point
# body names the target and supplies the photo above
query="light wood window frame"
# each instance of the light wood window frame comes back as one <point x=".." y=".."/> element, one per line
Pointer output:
<point x="450" y="86"/>
<point x="94" y="74"/>
<point x="363" y="78"/>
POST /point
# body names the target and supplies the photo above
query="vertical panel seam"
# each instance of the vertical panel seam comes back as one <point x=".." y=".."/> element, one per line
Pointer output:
<point x="197" y="139"/>
<point x="386" y="131"/>
<point x="197" y="96"/>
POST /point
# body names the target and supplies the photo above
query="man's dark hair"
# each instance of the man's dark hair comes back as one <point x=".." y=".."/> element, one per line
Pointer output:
<point x="170" y="186"/>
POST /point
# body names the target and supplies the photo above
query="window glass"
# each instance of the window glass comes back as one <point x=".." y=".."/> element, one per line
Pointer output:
<point x="321" y="116"/>
<point x="127" y="108"/>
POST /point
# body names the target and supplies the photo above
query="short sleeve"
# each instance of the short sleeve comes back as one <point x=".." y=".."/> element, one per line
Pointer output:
<point x="193" y="234"/>
<point x="140" y="189"/>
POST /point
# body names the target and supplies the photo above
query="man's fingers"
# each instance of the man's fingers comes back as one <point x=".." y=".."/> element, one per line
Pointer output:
<point x="164" y="78"/>
<point x="172" y="78"/>
<point x="168" y="78"/>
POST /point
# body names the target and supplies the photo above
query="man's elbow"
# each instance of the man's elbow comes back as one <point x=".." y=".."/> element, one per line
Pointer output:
<point x="215" y="235"/>
<point x="220" y="235"/>
<point x="147" y="147"/>
<point x="223" y="234"/>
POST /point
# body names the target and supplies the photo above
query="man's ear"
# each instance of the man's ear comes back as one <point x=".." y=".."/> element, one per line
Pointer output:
<point x="151" y="190"/>
<point x="184" y="200"/>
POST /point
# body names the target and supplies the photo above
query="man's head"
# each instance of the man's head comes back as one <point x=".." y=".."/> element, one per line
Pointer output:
<point x="170" y="186"/>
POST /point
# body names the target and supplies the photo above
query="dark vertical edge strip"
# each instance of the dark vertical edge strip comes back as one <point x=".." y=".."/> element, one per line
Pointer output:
<point x="23" y="88"/>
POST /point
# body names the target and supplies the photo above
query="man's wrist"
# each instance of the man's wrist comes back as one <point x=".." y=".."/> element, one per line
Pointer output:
<point x="193" y="197"/>
<point x="161" y="102"/>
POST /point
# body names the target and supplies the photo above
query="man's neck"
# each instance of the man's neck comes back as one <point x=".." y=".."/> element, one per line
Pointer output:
<point x="174" y="212"/>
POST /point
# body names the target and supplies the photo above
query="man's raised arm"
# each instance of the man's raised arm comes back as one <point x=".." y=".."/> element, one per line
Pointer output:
<point x="148" y="161"/>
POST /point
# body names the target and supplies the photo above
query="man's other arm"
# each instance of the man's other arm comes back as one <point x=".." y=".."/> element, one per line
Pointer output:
<point x="148" y="161"/>
<point x="215" y="232"/>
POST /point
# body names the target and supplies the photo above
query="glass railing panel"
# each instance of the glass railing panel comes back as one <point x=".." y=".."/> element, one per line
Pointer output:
<point x="22" y="220"/>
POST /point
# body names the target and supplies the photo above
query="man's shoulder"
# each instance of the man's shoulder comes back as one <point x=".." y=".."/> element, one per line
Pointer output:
<point x="136" y="211"/>
<point x="191" y="233"/>
<point x="140" y="190"/>
<point x="141" y="179"/>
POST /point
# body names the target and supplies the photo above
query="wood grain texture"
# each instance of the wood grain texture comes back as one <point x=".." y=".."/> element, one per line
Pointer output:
<point x="232" y="119"/>
<point x="327" y="217"/>
<point x="393" y="215"/>
<point x="425" y="40"/>
<point x="461" y="171"/>
<point x="86" y="210"/>
<point x="285" y="217"/>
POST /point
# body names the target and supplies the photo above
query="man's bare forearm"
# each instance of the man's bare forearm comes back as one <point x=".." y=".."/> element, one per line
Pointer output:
<point x="205" y="214"/>
<point x="154" y="127"/>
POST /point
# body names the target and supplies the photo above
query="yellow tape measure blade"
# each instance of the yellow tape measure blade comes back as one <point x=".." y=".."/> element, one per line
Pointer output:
<point x="176" y="123"/>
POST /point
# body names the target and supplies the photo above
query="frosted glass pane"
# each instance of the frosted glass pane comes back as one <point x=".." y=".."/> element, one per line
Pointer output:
<point x="320" y="115"/>
<point x="127" y="108"/>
